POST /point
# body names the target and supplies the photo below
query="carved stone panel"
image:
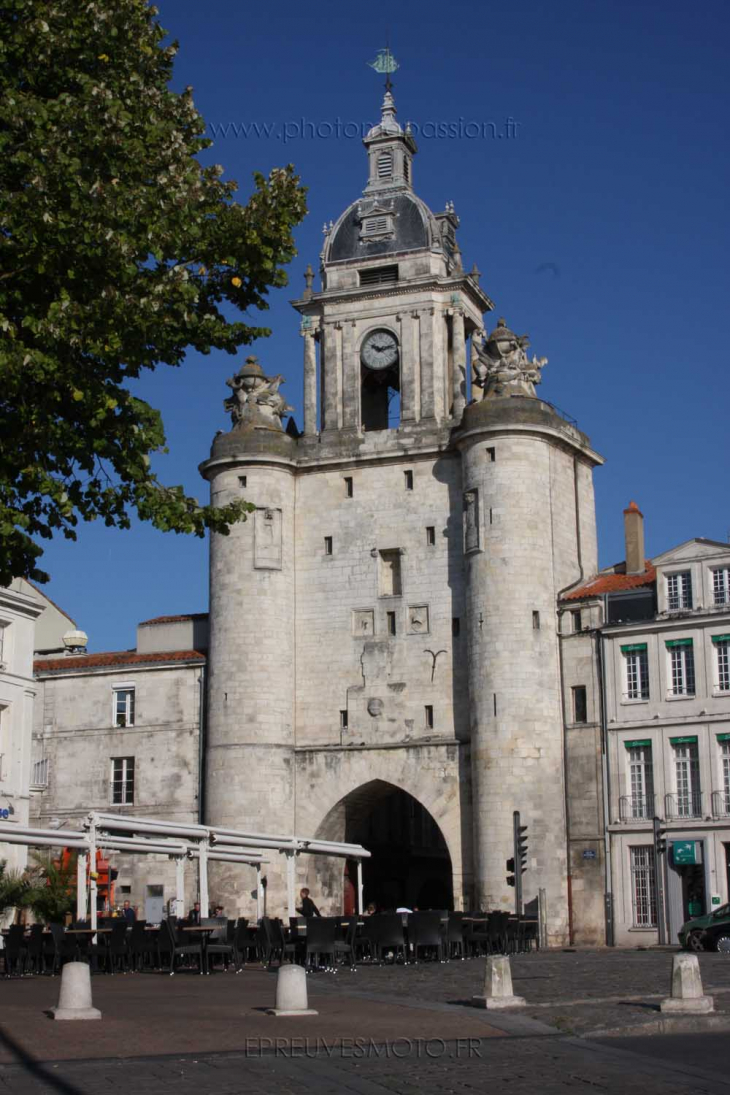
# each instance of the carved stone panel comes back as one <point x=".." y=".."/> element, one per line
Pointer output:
<point x="471" y="520"/>
<point x="418" y="621"/>
<point x="267" y="539"/>
<point x="363" y="623"/>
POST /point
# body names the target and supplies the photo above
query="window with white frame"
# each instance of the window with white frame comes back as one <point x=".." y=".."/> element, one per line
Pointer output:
<point x="636" y="671"/>
<point x="122" y="780"/>
<point x="4" y="645"/>
<point x="681" y="672"/>
<point x="679" y="590"/>
<point x="40" y="773"/>
<point x="723" y="740"/>
<point x="641" y="779"/>
<point x="721" y="643"/>
<point x="123" y="705"/>
<point x="721" y="586"/>
<point x="643" y="886"/>
<point x="687" y="797"/>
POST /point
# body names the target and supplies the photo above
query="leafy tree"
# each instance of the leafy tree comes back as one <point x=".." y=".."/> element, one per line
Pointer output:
<point x="118" y="252"/>
<point x="15" y="887"/>
<point x="52" y="891"/>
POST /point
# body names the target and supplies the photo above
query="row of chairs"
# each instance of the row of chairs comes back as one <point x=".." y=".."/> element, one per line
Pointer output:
<point x="434" y="934"/>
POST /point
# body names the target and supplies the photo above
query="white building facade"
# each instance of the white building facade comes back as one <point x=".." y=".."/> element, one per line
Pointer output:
<point x="19" y="610"/>
<point x="659" y="691"/>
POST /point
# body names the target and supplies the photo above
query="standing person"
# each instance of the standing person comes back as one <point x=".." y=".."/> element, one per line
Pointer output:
<point x="128" y="913"/>
<point x="308" y="908"/>
<point x="194" y="915"/>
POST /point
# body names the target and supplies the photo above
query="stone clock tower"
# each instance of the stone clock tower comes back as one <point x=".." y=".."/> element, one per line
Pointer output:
<point x="383" y="659"/>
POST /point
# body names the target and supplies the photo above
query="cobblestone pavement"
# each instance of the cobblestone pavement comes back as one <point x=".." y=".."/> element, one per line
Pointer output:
<point x="547" y="1066"/>
<point x="574" y="991"/>
<point x="380" y="1030"/>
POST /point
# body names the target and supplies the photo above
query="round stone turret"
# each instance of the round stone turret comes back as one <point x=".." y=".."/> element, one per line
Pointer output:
<point x="249" y="771"/>
<point x="528" y="532"/>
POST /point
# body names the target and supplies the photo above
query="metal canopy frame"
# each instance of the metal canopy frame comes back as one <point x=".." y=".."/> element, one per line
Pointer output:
<point x="181" y="842"/>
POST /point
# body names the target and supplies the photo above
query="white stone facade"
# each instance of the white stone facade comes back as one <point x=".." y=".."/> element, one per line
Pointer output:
<point x="19" y="610"/>
<point x="658" y="684"/>
<point x="387" y="617"/>
<point x="94" y="715"/>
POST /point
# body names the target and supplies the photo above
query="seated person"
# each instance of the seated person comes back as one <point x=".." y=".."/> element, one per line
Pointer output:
<point x="308" y="908"/>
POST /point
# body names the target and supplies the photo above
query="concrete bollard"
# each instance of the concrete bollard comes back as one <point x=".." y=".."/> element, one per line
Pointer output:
<point x="74" y="1000"/>
<point x="687" y="997"/>
<point x="291" y="992"/>
<point x="498" y="986"/>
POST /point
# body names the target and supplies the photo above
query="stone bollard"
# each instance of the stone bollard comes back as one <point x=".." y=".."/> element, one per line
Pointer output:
<point x="687" y="997"/>
<point x="74" y="1000"/>
<point x="291" y="992"/>
<point x="498" y="986"/>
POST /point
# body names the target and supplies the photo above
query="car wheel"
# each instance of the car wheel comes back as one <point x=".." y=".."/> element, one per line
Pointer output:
<point x="722" y="943"/>
<point x="694" y="942"/>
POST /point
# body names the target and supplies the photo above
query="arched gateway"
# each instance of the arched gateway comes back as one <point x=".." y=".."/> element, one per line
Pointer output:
<point x="410" y="865"/>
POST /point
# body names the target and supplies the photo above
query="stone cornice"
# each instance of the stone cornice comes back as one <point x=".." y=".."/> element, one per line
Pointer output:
<point x="361" y="293"/>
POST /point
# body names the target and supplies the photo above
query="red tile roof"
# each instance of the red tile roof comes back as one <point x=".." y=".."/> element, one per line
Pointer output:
<point x="115" y="658"/>
<point x="175" y="619"/>
<point x="612" y="583"/>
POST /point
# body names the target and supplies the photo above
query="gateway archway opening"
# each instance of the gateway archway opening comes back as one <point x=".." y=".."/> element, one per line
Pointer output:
<point x="410" y="864"/>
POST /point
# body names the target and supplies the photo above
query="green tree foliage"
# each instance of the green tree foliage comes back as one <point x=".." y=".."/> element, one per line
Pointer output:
<point x="52" y="890"/>
<point x="15" y="888"/>
<point x="118" y="252"/>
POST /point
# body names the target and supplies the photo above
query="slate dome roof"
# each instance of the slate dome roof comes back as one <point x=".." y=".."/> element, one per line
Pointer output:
<point x="413" y="222"/>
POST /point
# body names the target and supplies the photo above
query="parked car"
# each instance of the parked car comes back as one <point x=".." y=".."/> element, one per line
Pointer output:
<point x="710" y="932"/>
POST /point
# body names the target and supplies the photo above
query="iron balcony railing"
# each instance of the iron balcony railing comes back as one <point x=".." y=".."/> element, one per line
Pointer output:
<point x="636" y="807"/>
<point x="721" y="803"/>
<point x="683" y="805"/>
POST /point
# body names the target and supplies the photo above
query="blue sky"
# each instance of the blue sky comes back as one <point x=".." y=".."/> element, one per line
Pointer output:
<point x="600" y="229"/>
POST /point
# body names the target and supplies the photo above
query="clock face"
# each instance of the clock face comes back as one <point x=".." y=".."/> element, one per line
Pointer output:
<point x="379" y="350"/>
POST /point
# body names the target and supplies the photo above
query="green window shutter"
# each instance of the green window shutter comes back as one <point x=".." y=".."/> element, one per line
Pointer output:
<point x="717" y="639"/>
<point x="723" y="737"/>
<point x="678" y="642"/>
<point x="632" y="648"/>
<point x="688" y="740"/>
<point x="640" y="744"/>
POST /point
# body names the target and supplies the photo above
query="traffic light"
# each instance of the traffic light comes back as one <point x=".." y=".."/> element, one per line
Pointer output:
<point x="660" y="837"/>
<point x="521" y="847"/>
<point x="511" y="869"/>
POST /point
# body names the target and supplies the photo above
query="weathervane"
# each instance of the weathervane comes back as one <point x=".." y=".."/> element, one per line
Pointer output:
<point x="385" y="62"/>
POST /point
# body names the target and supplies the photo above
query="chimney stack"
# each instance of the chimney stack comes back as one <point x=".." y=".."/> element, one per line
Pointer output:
<point x="634" y="537"/>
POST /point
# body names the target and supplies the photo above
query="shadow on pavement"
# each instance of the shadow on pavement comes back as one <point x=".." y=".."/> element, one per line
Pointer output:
<point x="35" y="1068"/>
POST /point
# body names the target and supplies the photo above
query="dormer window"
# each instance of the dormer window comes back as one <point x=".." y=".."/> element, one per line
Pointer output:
<point x="375" y="226"/>
<point x="679" y="591"/>
<point x="377" y="222"/>
<point x="385" y="165"/>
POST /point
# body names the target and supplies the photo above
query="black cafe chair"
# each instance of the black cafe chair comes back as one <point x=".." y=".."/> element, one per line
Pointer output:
<point x="16" y="950"/>
<point x="425" y="930"/>
<point x="36" y="949"/>
<point x="385" y="932"/>
<point x="170" y="944"/>
<point x="217" y="942"/>
<point x="63" y="947"/>
<point x="345" y="948"/>
<point x="320" y="941"/>
<point x="455" y="936"/>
